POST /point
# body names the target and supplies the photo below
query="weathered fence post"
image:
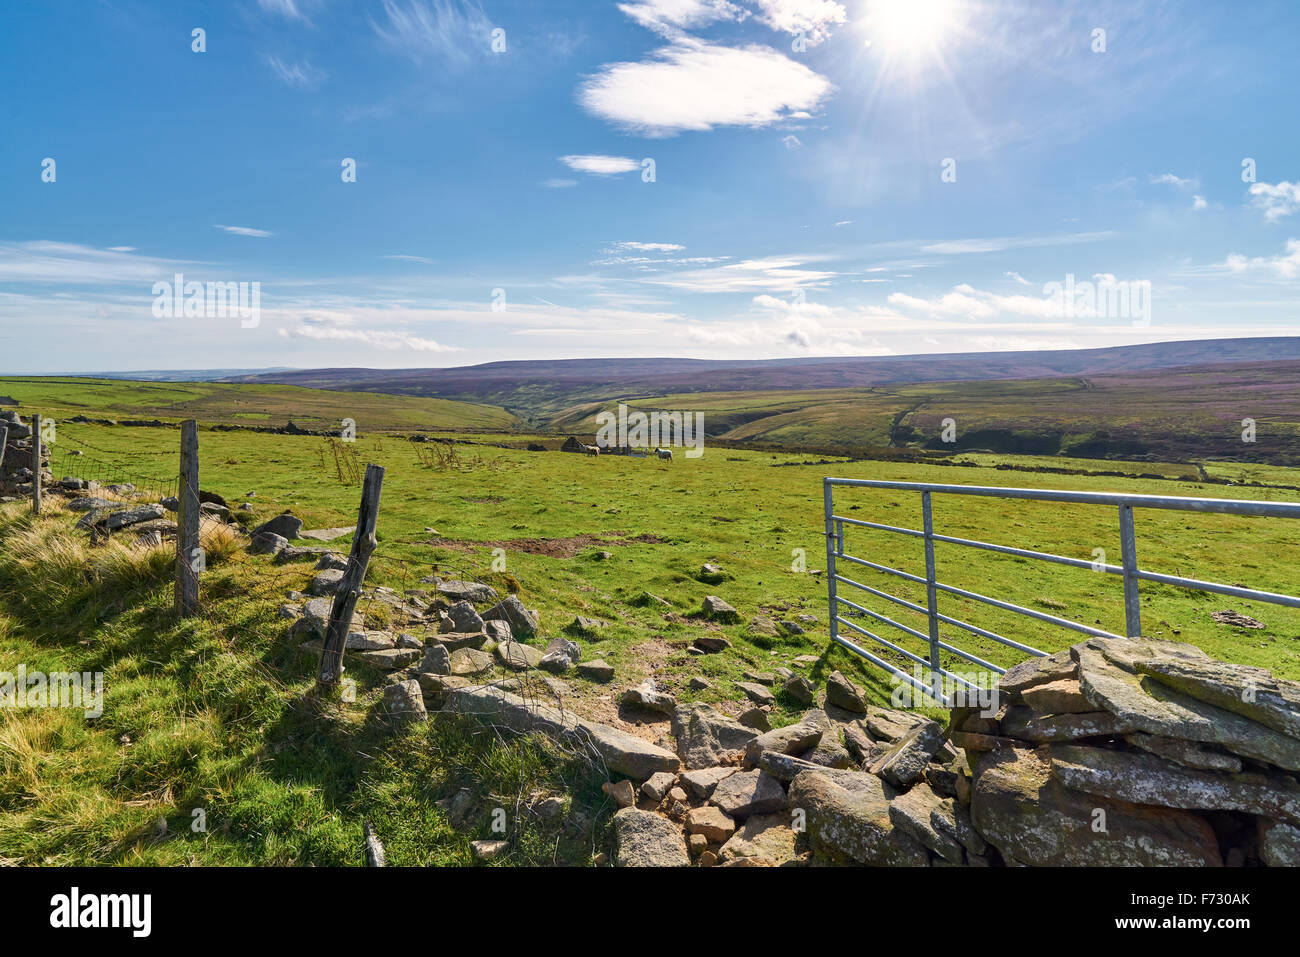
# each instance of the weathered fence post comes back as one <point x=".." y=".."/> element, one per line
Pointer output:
<point x="187" y="522"/>
<point x="36" y="464"/>
<point x="4" y="440"/>
<point x="345" y="599"/>
<point x="1128" y="552"/>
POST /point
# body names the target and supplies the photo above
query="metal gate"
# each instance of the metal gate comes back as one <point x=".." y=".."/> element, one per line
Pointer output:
<point x="934" y="670"/>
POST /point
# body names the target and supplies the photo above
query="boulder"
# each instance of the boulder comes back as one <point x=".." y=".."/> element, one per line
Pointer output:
<point x="621" y="752"/>
<point x="1143" y="778"/>
<point x="465" y="591"/>
<point x="800" y="689"/>
<point x="905" y="762"/>
<point x="785" y="767"/>
<point x="763" y="838"/>
<point x="133" y="516"/>
<point x="843" y="693"/>
<point x="792" y="739"/>
<point x="749" y="792"/>
<point x="518" y="656"/>
<point x="911" y="814"/>
<point x="596" y="670"/>
<point x="561" y="655"/>
<point x="715" y="609"/>
<point x="1032" y="819"/>
<point x="512" y="611"/>
<point x="436" y="661"/>
<point x="658" y="785"/>
<point x="286" y="525"/>
<point x="648" y="697"/>
<point x="467" y="662"/>
<point x="326" y="582"/>
<point x="1162" y="710"/>
<point x="847" y="818"/>
<point x="706" y="736"/>
<point x="711" y="644"/>
<point x="464" y="618"/>
<point x="586" y="626"/>
<point x="404" y="701"/>
<point x="390" y="659"/>
<point x="646" y="839"/>
<point x="756" y="692"/>
<point x="1279" y="844"/>
<point x="711" y="823"/>
<point x="1057" y="697"/>
<point x="700" y="783"/>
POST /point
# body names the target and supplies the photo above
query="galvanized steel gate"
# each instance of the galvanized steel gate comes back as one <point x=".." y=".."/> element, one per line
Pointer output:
<point x="1129" y="571"/>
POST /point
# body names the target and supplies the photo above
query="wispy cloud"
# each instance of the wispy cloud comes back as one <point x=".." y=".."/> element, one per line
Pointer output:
<point x="387" y="340"/>
<point x="244" y="231"/>
<point x="670" y="18"/>
<point x="409" y="259"/>
<point x="1017" y="277"/>
<point x="1275" y="200"/>
<point x="44" y="261"/>
<point x="289" y="9"/>
<point x="695" y="85"/>
<point x="559" y="183"/>
<point x="599" y="165"/>
<point x="300" y="74"/>
<point x="450" y="32"/>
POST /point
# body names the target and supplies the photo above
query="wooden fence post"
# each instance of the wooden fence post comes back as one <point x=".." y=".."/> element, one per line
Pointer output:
<point x="36" y="464"/>
<point x="4" y="439"/>
<point x="345" y="599"/>
<point x="187" y="522"/>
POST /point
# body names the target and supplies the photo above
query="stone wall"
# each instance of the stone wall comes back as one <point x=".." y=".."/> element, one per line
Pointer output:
<point x="15" y="470"/>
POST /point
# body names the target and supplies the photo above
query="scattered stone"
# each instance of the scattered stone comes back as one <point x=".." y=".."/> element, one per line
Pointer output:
<point x="464" y="591"/>
<point x="756" y="718"/>
<point x="785" y="767"/>
<point x="485" y="851"/>
<point x="749" y="792"/>
<point x="1236" y="619"/>
<point x="699" y="684"/>
<point x="715" y="609"/>
<point x="712" y="644"/>
<point x="792" y="739"/>
<point x="911" y="813"/>
<point x="332" y="560"/>
<point x="286" y="525"/>
<point x="700" y="783"/>
<point x="596" y="670"/>
<point x="848" y="821"/>
<point x="436" y="661"/>
<point x="756" y="693"/>
<point x="792" y="628"/>
<point x="764" y="839"/>
<point x="711" y="574"/>
<point x="586" y="626"/>
<point x="623" y="792"/>
<point x="517" y="656"/>
<point x="390" y="659"/>
<point x="706" y="736"/>
<point x="404" y="702"/>
<point x="801" y="689"/>
<point x="561" y="655"/>
<point x="467" y="662"/>
<point x="498" y="630"/>
<point x="327" y="582"/>
<point x="522" y="621"/>
<point x="646" y="839"/>
<point x="464" y="618"/>
<point x="904" y="763"/>
<point x="647" y="696"/>
<point x="843" y="693"/>
<point x="710" y="823"/>
<point x="658" y="785"/>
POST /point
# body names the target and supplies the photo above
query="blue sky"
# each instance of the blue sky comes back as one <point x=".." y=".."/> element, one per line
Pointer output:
<point x="798" y="204"/>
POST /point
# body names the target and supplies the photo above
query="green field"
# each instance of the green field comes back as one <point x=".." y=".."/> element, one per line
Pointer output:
<point x="217" y="713"/>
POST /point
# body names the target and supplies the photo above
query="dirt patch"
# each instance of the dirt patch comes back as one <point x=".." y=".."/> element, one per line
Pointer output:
<point x="550" y="547"/>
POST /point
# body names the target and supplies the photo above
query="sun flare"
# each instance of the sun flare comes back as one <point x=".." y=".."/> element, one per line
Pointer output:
<point x="911" y="31"/>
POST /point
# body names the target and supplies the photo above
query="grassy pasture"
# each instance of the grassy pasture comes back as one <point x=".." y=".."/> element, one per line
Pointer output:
<point x="216" y="712"/>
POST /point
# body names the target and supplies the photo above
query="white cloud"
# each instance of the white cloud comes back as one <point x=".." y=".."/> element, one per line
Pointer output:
<point x="450" y="32"/>
<point x="557" y="183"/>
<point x="750" y="275"/>
<point x="844" y="222"/>
<point x="645" y="247"/>
<point x="386" y="340"/>
<point x="46" y="261"/>
<point x="599" y="165"/>
<point x="284" y="8"/>
<point x="121" y="249"/>
<point x="792" y="142"/>
<point x="967" y="302"/>
<point x="813" y="18"/>
<point x="1199" y="203"/>
<point x="1169" y="179"/>
<point x="244" y="231"/>
<point x="1275" y="200"/>
<point x="1287" y="265"/>
<point x="1017" y="277"/>
<point x="1000" y="244"/>
<point x="670" y="18"/>
<point x="695" y="85"/>
<point x="409" y="259"/>
<point x="302" y="75"/>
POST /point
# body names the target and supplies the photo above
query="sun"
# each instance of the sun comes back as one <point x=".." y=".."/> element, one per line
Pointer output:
<point x="911" y="32"/>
